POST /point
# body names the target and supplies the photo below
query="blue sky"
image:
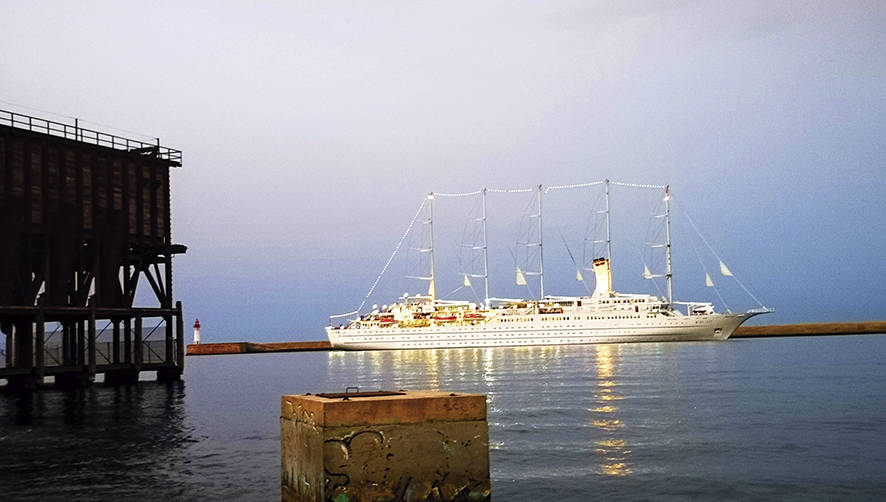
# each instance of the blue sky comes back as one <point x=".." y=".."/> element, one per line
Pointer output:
<point x="312" y="130"/>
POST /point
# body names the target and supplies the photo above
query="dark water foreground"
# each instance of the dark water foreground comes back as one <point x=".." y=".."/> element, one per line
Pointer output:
<point x="787" y="418"/>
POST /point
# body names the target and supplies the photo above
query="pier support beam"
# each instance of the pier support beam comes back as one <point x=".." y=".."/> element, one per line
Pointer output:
<point x="10" y="347"/>
<point x="24" y="345"/>
<point x="22" y="360"/>
<point x="39" y="349"/>
<point x="180" y="337"/>
<point x="90" y="342"/>
<point x="137" y="342"/>
<point x="174" y="366"/>
<point x="127" y="341"/>
<point x="115" y="344"/>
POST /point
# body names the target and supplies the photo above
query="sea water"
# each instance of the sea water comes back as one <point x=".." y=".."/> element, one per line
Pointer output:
<point x="748" y="419"/>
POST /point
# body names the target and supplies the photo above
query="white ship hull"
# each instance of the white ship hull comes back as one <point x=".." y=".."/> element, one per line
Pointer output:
<point x="540" y="330"/>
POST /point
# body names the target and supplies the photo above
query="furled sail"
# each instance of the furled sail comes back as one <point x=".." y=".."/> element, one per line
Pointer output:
<point x="432" y="290"/>
<point x="646" y="273"/>
<point x="724" y="270"/>
<point x="578" y="276"/>
<point x="467" y="282"/>
<point x="707" y="280"/>
<point x="520" y="280"/>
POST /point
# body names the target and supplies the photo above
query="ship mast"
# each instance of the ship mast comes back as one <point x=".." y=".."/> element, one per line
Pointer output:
<point x="485" y="253"/>
<point x="668" y="272"/>
<point x="608" y="227"/>
<point x="541" y="255"/>
<point x="432" y="287"/>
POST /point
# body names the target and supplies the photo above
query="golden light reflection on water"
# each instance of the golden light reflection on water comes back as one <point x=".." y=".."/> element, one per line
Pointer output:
<point x="608" y="424"/>
<point x="612" y="450"/>
<point x="437" y="369"/>
<point x="608" y="395"/>
<point x="423" y="366"/>
<point x="603" y="409"/>
<point x="611" y="443"/>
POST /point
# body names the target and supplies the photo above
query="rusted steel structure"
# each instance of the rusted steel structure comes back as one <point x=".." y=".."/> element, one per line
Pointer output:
<point x="84" y="216"/>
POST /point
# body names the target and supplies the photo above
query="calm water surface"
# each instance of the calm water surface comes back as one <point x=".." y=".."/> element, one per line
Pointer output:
<point x="785" y="418"/>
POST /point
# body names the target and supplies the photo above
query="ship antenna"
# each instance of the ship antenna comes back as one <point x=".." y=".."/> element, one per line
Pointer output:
<point x="668" y="272"/>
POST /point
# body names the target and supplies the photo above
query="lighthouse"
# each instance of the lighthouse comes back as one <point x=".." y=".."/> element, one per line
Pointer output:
<point x="197" y="331"/>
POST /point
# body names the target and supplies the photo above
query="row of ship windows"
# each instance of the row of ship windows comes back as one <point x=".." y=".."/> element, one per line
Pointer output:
<point x="578" y="318"/>
<point x="422" y="330"/>
<point x="430" y="337"/>
<point x="524" y="341"/>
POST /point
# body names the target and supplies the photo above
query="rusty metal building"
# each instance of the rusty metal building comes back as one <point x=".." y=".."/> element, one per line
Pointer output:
<point x="84" y="217"/>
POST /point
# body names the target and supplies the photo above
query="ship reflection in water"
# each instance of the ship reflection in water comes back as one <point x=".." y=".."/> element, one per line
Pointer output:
<point x="481" y="370"/>
<point x="611" y="448"/>
<point x="422" y="368"/>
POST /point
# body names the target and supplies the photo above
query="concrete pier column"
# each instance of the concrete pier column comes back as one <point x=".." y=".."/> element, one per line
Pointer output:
<point x="407" y="446"/>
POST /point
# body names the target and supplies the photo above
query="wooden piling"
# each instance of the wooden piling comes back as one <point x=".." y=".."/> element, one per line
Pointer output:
<point x="137" y="341"/>
<point x="39" y="348"/>
<point x="90" y="342"/>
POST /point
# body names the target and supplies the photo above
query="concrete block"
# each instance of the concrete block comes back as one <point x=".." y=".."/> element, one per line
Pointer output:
<point x="410" y="446"/>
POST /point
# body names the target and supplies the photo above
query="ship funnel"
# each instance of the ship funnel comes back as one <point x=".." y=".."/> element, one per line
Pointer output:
<point x="603" y="275"/>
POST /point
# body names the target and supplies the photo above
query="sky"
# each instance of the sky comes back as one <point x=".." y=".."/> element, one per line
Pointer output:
<point x="311" y="132"/>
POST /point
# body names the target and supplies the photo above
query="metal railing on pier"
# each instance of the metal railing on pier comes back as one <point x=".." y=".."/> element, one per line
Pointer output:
<point x="82" y="134"/>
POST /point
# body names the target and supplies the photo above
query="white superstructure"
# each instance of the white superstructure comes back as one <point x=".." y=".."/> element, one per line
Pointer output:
<point x="416" y="322"/>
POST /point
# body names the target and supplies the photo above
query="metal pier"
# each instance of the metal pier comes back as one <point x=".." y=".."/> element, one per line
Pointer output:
<point x="84" y="220"/>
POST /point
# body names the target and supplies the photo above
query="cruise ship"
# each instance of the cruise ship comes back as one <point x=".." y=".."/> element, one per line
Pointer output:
<point x="605" y="316"/>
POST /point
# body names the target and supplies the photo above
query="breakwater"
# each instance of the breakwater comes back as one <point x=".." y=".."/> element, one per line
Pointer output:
<point x="812" y="329"/>
<point x="211" y="349"/>
<point x="775" y="330"/>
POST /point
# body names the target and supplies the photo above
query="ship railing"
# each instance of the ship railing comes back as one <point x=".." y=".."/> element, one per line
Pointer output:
<point x="340" y="316"/>
<point x="761" y="310"/>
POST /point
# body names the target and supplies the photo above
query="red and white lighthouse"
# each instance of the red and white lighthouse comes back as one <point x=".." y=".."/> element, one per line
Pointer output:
<point x="197" y="331"/>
